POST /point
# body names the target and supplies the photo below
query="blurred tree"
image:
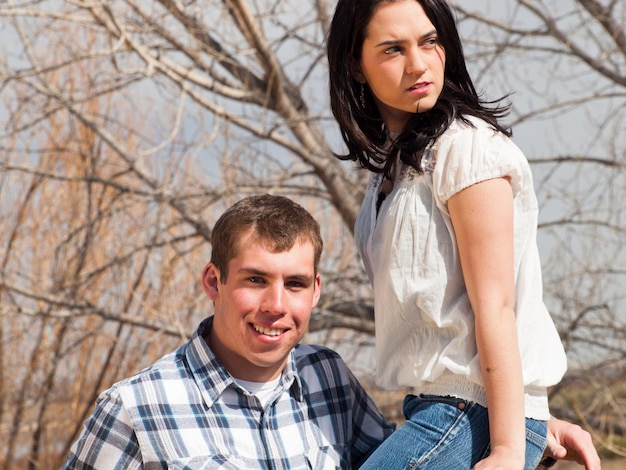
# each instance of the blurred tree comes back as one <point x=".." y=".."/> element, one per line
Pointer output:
<point x="128" y="126"/>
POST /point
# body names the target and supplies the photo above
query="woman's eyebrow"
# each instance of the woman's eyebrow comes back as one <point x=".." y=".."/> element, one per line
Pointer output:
<point x="394" y="42"/>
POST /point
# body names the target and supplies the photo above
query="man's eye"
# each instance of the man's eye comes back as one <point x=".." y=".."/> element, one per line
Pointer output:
<point x="255" y="279"/>
<point x="295" y="285"/>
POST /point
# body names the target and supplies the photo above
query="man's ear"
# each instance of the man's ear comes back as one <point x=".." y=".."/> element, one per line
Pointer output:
<point x="318" y="290"/>
<point x="210" y="281"/>
<point x="356" y="72"/>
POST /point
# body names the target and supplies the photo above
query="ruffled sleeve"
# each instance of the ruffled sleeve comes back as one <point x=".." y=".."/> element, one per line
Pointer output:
<point x="467" y="155"/>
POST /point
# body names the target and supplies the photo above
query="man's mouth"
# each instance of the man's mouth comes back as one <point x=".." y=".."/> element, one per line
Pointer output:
<point x="268" y="331"/>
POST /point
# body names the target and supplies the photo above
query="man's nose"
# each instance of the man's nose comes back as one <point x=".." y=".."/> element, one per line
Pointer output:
<point x="274" y="300"/>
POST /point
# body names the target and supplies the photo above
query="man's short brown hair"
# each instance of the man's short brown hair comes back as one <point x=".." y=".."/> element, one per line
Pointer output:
<point x="275" y="221"/>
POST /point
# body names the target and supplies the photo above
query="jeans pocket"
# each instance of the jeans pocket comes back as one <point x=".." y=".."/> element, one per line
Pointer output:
<point x="536" y="442"/>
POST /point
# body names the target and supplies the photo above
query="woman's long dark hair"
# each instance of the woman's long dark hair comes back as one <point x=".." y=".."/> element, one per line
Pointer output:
<point x="361" y="127"/>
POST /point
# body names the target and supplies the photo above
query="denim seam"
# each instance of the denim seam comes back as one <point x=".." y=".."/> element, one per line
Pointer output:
<point x="415" y="464"/>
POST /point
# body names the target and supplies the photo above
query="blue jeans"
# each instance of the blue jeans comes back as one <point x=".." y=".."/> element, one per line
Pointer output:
<point x="444" y="433"/>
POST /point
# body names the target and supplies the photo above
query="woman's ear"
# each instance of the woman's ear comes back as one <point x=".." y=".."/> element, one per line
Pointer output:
<point x="210" y="281"/>
<point x="356" y="72"/>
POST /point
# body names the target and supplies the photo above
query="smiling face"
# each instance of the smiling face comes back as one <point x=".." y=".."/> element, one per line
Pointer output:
<point x="262" y="309"/>
<point x="402" y="62"/>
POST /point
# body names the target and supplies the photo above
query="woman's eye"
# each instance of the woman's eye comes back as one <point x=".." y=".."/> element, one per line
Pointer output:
<point x="392" y="50"/>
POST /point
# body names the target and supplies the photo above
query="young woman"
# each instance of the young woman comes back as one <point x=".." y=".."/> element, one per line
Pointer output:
<point x="447" y="232"/>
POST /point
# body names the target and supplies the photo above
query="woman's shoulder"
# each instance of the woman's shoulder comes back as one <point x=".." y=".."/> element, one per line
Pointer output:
<point x="475" y="133"/>
<point x="471" y="125"/>
<point x="471" y="151"/>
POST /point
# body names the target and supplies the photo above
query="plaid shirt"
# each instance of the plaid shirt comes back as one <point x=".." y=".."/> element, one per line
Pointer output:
<point x="186" y="412"/>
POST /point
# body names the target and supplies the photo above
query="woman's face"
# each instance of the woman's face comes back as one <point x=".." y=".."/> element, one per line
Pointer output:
<point x="402" y="62"/>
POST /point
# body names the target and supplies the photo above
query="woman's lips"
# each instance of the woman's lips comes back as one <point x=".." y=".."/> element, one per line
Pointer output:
<point x="421" y="87"/>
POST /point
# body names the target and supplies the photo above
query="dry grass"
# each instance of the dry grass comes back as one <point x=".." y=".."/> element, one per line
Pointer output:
<point x="612" y="464"/>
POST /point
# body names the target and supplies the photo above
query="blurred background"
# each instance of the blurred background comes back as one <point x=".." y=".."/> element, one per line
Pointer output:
<point x="128" y="126"/>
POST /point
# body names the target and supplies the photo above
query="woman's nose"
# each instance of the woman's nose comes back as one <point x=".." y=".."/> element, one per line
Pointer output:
<point x="415" y="63"/>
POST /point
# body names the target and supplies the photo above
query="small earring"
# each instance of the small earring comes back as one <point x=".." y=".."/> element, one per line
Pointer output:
<point x="362" y="95"/>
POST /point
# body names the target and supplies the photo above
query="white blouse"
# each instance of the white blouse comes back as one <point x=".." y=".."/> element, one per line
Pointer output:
<point x="425" y="336"/>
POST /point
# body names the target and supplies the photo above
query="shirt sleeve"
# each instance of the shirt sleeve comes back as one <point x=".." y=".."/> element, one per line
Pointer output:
<point x="335" y="398"/>
<point x="466" y="155"/>
<point x="369" y="426"/>
<point x="108" y="439"/>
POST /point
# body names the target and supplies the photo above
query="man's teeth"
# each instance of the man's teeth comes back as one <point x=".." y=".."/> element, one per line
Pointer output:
<point x="267" y="331"/>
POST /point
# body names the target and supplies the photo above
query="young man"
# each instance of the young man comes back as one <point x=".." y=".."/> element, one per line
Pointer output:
<point x="242" y="393"/>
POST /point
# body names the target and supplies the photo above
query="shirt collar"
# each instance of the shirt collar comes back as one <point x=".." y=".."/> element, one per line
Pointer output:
<point x="211" y="376"/>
